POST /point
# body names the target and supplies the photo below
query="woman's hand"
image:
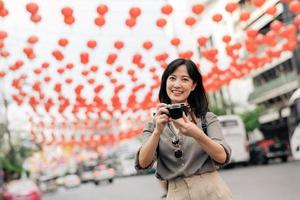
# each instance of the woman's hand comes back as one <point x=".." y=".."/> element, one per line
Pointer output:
<point x="161" y="117"/>
<point x="185" y="126"/>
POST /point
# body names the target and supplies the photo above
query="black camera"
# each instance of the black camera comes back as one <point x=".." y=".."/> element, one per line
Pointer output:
<point x="175" y="110"/>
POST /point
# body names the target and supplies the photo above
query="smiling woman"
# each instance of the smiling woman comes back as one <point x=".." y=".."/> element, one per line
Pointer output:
<point x="189" y="149"/>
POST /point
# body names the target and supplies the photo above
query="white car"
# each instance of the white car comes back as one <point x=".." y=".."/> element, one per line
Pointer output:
<point x="71" y="181"/>
<point x="103" y="173"/>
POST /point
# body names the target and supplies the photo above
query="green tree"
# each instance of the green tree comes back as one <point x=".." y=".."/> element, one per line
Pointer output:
<point x="218" y="110"/>
<point x="250" y="119"/>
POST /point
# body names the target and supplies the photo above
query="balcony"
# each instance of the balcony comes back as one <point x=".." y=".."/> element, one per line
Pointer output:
<point x="274" y="88"/>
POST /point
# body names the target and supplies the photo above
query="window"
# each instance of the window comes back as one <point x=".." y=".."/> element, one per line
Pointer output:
<point x="229" y="123"/>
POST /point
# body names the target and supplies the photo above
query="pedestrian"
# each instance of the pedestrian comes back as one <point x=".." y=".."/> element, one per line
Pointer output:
<point x="188" y="145"/>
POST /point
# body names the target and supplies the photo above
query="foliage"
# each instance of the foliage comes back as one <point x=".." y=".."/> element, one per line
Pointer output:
<point x="250" y="119"/>
<point x="217" y="110"/>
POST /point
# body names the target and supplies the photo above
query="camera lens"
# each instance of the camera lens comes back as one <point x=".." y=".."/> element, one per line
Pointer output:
<point x="175" y="113"/>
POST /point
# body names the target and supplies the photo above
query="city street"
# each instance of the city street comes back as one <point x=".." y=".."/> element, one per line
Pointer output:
<point x="276" y="181"/>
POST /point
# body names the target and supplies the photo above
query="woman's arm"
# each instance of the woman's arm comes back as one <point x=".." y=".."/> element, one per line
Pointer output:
<point x="215" y="150"/>
<point x="148" y="150"/>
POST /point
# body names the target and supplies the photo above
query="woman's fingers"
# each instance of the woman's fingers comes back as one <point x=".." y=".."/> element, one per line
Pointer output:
<point x="185" y="118"/>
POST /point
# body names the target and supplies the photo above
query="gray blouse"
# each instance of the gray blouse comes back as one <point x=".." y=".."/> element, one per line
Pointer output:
<point x="194" y="159"/>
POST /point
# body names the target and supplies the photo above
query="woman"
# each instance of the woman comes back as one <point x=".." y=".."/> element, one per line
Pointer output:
<point x="187" y="155"/>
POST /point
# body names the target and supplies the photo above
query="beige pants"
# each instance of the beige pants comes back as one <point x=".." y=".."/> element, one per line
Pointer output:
<point x="208" y="186"/>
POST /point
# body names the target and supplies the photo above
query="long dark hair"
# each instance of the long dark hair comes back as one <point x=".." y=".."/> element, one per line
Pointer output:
<point x="197" y="98"/>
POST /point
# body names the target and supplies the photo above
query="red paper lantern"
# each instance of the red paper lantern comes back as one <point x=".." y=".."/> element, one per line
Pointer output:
<point x="147" y="45"/>
<point x="111" y="58"/>
<point x="32" y="39"/>
<point x="35" y="18"/>
<point x="58" y="55"/>
<point x="271" y="10"/>
<point x="3" y="35"/>
<point x="91" y="44"/>
<point x="134" y="12"/>
<point x="32" y="8"/>
<point x="276" y="25"/>
<point x="84" y="57"/>
<point x="69" y="20"/>
<point x="3" y="12"/>
<point x="202" y="41"/>
<point x="198" y="8"/>
<point x="63" y="42"/>
<point x="226" y="38"/>
<point x="295" y="6"/>
<point x="190" y="21"/>
<point x="231" y="7"/>
<point x="161" y="22"/>
<point x="119" y="44"/>
<point x="67" y="11"/>
<point x="100" y="21"/>
<point x="102" y="9"/>
<point x="296" y="20"/>
<point x="258" y="3"/>
<point x="251" y="33"/>
<point x="217" y="17"/>
<point x="175" y="42"/>
<point x="130" y="22"/>
<point x="245" y="15"/>
<point x="167" y="9"/>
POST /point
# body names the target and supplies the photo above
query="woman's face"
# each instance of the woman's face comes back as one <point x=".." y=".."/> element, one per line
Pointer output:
<point x="179" y="85"/>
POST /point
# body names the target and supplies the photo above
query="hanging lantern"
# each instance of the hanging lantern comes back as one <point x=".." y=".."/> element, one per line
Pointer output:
<point x="32" y="39"/>
<point x="100" y="21"/>
<point x="245" y="15"/>
<point x="167" y="9"/>
<point x="226" y="38"/>
<point x="175" y="42"/>
<point x="202" y="41"/>
<point x="294" y="6"/>
<point x="231" y="7"/>
<point x="147" y="45"/>
<point x="134" y="12"/>
<point x="198" y="8"/>
<point x="84" y="57"/>
<point x="118" y="44"/>
<point x="32" y="8"/>
<point x="67" y="11"/>
<point x="276" y="25"/>
<point x="258" y="3"/>
<point x="35" y="18"/>
<point x="217" y="17"/>
<point x="161" y="22"/>
<point x="63" y="42"/>
<point x="91" y="44"/>
<point x="102" y="9"/>
<point x="190" y="21"/>
<point x="130" y="22"/>
<point x="271" y="10"/>
<point x="69" y="20"/>
<point x="111" y="58"/>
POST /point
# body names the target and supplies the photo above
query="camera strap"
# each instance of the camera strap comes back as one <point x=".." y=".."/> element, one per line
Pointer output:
<point x="204" y="124"/>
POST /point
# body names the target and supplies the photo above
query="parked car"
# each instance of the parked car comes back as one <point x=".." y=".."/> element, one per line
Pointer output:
<point x="71" y="181"/>
<point x="86" y="171"/>
<point x="22" y="189"/>
<point x="103" y="173"/>
<point x="1" y="183"/>
<point x="264" y="150"/>
<point x="47" y="183"/>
